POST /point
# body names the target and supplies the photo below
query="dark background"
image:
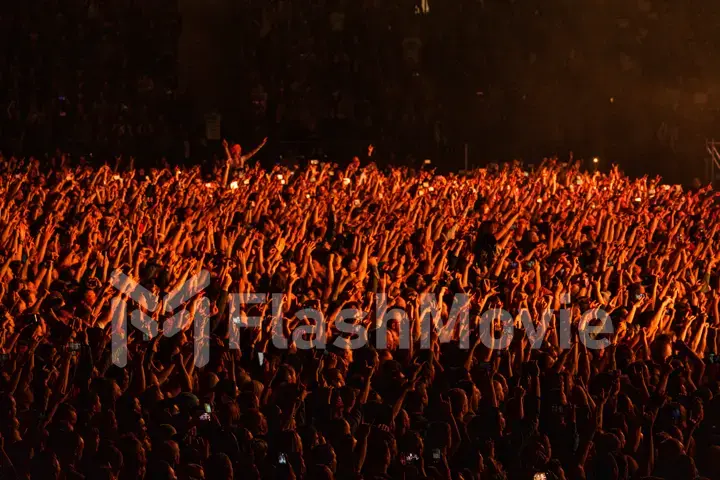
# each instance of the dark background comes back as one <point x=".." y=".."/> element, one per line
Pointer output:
<point x="632" y="82"/>
<point x="629" y="81"/>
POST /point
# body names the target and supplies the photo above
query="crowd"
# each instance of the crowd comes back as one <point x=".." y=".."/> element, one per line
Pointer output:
<point x="330" y="238"/>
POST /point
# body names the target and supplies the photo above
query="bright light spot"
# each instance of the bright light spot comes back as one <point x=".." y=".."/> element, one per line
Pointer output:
<point x="612" y="99"/>
<point x="426" y="184"/>
<point x="280" y="177"/>
<point x="234" y="185"/>
<point x="432" y="189"/>
<point x="307" y="195"/>
<point x="346" y="181"/>
<point x="282" y="182"/>
<point x="596" y="160"/>
<point x="427" y="161"/>
<point x="638" y="199"/>
<point x="313" y="162"/>
<point x="246" y="182"/>
<point x="539" y="200"/>
<point x="421" y="192"/>
<point x="356" y="202"/>
<point x="331" y="173"/>
<point x="208" y="185"/>
<point x="116" y="177"/>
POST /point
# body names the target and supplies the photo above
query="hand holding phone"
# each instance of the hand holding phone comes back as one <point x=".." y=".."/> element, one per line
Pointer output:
<point x="436" y="455"/>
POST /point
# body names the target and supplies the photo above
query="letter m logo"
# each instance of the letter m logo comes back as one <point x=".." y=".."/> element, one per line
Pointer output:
<point x="129" y="288"/>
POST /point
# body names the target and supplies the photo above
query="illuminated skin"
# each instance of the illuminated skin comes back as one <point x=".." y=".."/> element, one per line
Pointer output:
<point x="322" y="240"/>
<point x="235" y="158"/>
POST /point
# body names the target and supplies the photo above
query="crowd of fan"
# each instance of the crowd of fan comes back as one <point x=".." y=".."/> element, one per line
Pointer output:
<point x="330" y="239"/>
